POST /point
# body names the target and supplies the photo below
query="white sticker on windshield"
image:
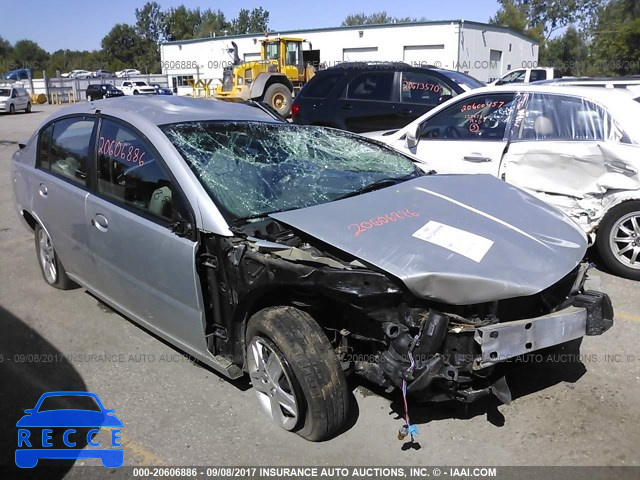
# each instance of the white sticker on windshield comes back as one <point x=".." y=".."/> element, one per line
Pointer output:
<point x="459" y="241"/>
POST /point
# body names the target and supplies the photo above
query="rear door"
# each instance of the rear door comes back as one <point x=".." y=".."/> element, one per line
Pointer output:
<point x="568" y="147"/>
<point x="60" y="184"/>
<point x="369" y="102"/>
<point x="144" y="268"/>
<point x="470" y="136"/>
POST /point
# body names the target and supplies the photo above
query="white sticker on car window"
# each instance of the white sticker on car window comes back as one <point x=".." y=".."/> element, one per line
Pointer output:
<point x="458" y="241"/>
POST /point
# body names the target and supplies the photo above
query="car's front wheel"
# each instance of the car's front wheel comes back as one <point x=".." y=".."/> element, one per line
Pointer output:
<point x="12" y="109"/>
<point x="618" y="239"/>
<point x="296" y="373"/>
<point x="28" y="109"/>
<point x="52" y="270"/>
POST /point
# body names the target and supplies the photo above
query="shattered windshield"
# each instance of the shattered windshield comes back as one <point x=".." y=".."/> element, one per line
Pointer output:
<point x="251" y="169"/>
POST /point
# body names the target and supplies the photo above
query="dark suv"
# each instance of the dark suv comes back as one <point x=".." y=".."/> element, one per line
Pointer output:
<point x="102" y="90"/>
<point x="361" y="97"/>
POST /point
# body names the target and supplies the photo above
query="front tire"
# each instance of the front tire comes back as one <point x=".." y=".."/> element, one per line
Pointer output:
<point x="28" y="109"/>
<point x="279" y="97"/>
<point x="296" y="373"/>
<point x="52" y="270"/>
<point x="618" y="240"/>
<point x="12" y="109"/>
<point x="136" y="92"/>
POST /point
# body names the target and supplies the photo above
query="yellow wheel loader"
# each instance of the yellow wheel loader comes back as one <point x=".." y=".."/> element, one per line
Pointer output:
<point x="282" y="70"/>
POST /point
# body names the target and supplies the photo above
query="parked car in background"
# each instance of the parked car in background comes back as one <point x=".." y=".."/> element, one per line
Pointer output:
<point x="630" y="83"/>
<point x="361" y="97"/>
<point x="100" y="73"/>
<point x="576" y="148"/>
<point x="161" y="90"/>
<point x="137" y="88"/>
<point x="14" y="98"/>
<point x="297" y="254"/>
<point x="525" y="75"/>
<point x="19" y="74"/>
<point x="79" y="74"/>
<point x="98" y="91"/>
<point x="127" y="72"/>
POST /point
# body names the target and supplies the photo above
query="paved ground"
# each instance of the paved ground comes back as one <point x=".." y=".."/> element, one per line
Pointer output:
<point x="178" y="413"/>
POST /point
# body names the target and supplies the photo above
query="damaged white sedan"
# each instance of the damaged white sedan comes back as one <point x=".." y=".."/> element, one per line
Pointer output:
<point x="299" y="255"/>
<point x="577" y="148"/>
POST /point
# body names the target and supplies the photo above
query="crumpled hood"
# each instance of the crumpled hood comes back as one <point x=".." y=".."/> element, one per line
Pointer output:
<point x="458" y="239"/>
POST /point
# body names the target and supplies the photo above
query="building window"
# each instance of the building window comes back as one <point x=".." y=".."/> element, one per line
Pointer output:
<point x="183" y="80"/>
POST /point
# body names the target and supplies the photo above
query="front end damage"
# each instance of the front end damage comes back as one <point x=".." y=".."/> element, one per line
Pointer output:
<point x="379" y="329"/>
<point x="428" y="285"/>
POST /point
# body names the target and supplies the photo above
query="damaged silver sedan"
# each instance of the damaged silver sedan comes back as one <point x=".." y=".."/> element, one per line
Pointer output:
<point x="300" y="255"/>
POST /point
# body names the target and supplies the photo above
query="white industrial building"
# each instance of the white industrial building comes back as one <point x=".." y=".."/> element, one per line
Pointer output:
<point x="482" y="50"/>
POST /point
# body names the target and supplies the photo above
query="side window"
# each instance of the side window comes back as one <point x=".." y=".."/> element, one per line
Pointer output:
<point x="69" y="152"/>
<point x="481" y="117"/>
<point x="559" y="117"/>
<point x="513" y="77"/>
<point x="537" y="75"/>
<point x="129" y="173"/>
<point x="371" y="86"/>
<point x="44" y="146"/>
<point x="323" y="84"/>
<point x="423" y="88"/>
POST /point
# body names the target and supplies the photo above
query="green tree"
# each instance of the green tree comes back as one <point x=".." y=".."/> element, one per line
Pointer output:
<point x="254" y="21"/>
<point x="377" y="18"/>
<point x="28" y="54"/>
<point x="181" y="23"/>
<point x="150" y="22"/>
<point x="213" y="24"/>
<point x="6" y="54"/>
<point x="568" y="54"/>
<point x="122" y="46"/>
<point x="540" y="19"/>
<point x="615" y="47"/>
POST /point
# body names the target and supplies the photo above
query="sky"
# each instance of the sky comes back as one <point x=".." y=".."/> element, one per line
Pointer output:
<point x="81" y="24"/>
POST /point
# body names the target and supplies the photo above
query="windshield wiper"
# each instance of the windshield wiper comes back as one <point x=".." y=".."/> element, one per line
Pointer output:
<point x="378" y="184"/>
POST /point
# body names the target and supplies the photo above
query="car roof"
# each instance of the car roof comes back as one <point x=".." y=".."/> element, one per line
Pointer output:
<point x="601" y="95"/>
<point x="170" y="109"/>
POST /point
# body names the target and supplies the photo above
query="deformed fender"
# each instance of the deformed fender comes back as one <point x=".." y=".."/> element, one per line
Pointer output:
<point x="264" y="80"/>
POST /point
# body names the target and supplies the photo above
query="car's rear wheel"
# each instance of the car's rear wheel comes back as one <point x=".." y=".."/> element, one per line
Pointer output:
<point x="52" y="270"/>
<point x="279" y="97"/>
<point x="12" y="109"/>
<point x="296" y="373"/>
<point x="618" y="239"/>
<point x="28" y="109"/>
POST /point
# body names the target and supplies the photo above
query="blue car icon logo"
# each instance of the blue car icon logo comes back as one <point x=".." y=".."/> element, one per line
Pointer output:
<point x="79" y="417"/>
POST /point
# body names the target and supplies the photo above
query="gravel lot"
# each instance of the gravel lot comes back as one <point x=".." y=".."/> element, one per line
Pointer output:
<point x="178" y="413"/>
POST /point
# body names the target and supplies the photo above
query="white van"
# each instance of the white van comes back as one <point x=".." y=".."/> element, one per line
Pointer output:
<point x="14" y="98"/>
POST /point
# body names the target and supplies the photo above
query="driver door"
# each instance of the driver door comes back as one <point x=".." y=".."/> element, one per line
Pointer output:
<point x="470" y="136"/>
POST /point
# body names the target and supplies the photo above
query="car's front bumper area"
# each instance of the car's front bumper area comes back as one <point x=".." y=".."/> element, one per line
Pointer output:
<point x="591" y="313"/>
<point x="466" y="367"/>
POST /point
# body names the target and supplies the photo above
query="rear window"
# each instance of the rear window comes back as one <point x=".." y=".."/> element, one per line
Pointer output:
<point x="321" y="85"/>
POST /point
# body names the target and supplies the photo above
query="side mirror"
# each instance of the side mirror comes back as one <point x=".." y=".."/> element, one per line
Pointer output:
<point x="411" y="137"/>
<point x="181" y="228"/>
<point x="29" y="411"/>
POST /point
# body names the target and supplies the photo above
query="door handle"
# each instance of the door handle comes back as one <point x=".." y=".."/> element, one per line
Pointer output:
<point x="621" y="167"/>
<point x="347" y="106"/>
<point x="476" y="159"/>
<point x="100" y="222"/>
<point x="43" y="190"/>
